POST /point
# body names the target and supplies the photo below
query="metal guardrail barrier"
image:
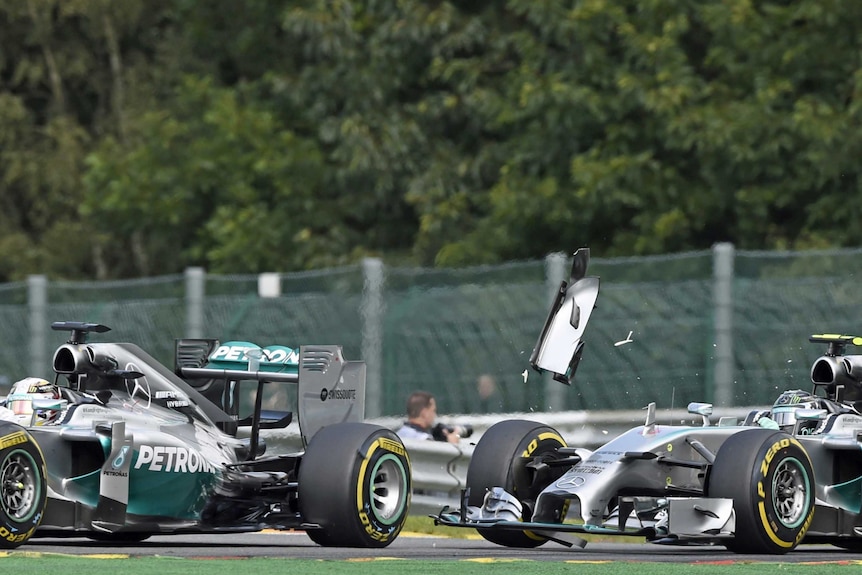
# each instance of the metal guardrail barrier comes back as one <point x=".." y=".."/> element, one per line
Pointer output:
<point x="440" y="468"/>
<point x="439" y="474"/>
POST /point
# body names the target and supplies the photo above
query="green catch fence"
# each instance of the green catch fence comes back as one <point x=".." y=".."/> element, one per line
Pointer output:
<point x="719" y="325"/>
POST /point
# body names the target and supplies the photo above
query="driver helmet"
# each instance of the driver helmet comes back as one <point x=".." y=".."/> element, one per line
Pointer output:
<point x="22" y="394"/>
<point x="784" y="408"/>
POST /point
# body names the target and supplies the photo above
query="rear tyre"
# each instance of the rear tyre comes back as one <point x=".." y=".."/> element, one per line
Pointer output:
<point x="354" y="482"/>
<point x="500" y="460"/>
<point x="769" y="476"/>
<point x="22" y="481"/>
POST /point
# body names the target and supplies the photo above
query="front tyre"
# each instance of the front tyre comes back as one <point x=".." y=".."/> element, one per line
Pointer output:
<point x="769" y="476"/>
<point x="502" y="458"/>
<point x="354" y="482"/>
<point x="22" y="480"/>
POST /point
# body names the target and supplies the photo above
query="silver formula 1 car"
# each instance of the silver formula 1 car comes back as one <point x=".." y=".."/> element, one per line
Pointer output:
<point x="120" y="447"/>
<point x="784" y="476"/>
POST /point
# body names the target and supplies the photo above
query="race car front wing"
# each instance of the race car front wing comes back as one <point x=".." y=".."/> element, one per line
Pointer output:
<point x="664" y="520"/>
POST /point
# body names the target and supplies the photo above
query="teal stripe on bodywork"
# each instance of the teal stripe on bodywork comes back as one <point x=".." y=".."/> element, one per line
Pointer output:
<point x="847" y="495"/>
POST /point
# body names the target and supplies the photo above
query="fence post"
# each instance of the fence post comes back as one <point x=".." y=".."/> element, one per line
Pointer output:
<point x="723" y="254"/>
<point x="555" y="272"/>
<point x="371" y="310"/>
<point x="37" y="304"/>
<point x="195" y="279"/>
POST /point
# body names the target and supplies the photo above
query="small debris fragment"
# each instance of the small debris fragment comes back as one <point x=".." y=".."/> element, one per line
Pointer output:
<point x="624" y="341"/>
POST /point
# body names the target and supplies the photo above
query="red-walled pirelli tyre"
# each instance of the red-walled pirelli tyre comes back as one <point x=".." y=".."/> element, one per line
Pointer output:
<point x="500" y="460"/>
<point x="354" y="482"/>
<point x="22" y="480"/>
<point x="769" y="476"/>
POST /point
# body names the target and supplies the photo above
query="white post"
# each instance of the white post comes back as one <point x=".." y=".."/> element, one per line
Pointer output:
<point x="372" y="310"/>
<point x="723" y="254"/>
<point x="195" y="280"/>
<point x="37" y="304"/>
<point x="555" y="272"/>
<point x="269" y="284"/>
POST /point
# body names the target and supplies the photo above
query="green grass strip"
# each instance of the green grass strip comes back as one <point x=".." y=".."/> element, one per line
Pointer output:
<point x="22" y="562"/>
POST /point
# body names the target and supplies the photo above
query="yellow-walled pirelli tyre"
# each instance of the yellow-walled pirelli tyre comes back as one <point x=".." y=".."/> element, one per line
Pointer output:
<point x="501" y="459"/>
<point x="354" y="483"/>
<point x="22" y="480"/>
<point x="769" y="476"/>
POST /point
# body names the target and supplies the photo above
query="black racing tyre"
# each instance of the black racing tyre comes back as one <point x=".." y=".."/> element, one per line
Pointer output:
<point x="769" y="476"/>
<point x="22" y="480"/>
<point x="500" y="460"/>
<point x="354" y="482"/>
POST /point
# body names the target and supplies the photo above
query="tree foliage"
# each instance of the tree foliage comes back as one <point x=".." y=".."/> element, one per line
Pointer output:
<point x="138" y="138"/>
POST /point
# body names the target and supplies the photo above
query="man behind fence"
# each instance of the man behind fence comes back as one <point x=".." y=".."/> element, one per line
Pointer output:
<point x="421" y="417"/>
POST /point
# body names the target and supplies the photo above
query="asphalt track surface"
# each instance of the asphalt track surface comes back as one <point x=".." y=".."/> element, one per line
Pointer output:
<point x="298" y="545"/>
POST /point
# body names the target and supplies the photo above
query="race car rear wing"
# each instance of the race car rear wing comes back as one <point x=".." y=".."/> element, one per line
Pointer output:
<point x="560" y="347"/>
<point x="330" y="389"/>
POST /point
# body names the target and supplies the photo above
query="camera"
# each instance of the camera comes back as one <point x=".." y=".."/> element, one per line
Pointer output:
<point x="438" y="430"/>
